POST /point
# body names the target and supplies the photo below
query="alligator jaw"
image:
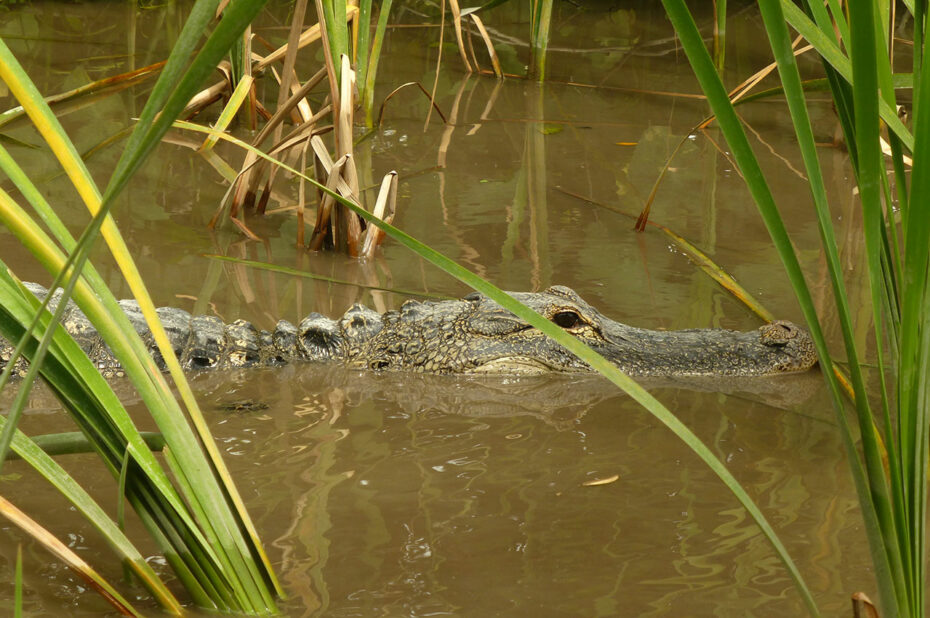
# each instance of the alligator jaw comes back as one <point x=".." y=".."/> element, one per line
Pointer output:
<point x="773" y="349"/>
<point x="514" y="365"/>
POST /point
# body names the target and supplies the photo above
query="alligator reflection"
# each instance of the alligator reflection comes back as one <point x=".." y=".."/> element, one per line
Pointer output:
<point x="558" y="399"/>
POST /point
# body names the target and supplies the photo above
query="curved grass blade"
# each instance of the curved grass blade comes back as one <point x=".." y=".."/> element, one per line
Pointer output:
<point x="573" y="345"/>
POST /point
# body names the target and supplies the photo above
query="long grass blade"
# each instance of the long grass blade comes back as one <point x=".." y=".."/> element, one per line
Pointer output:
<point x="371" y="72"/>
<point x="573" y="345"/>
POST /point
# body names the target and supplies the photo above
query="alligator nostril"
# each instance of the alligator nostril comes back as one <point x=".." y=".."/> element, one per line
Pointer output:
<point x="201" y="362"/>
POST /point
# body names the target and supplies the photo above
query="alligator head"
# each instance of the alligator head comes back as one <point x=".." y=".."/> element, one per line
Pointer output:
<point x="476" y="335"/>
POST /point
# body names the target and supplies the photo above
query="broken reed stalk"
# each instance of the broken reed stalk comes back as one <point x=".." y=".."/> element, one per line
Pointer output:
<point x="384" y="210"/>
<point x="344" y="147"/>
<point x="322" y="228"/>
<point x="863" y="607"/>
<point x="335" y="226"/>
<point x="457" y="23"/>
<point x="495" y="62"/>
<point x="285" y="103"/>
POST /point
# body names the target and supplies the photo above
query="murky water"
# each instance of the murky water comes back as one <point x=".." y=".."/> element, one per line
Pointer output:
<point x="410" y="495"/>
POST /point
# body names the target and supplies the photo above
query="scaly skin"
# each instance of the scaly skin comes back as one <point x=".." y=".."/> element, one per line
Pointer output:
<point x="471" y="335"/>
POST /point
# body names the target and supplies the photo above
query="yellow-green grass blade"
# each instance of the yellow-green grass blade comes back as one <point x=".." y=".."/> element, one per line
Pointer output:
<point x="914" y="338"/>
<point x="698" y="257"/>
<point x="97" y="411"/>
<point x="755" y="180"/>
<point x="152" y="126"/>
<point x="211" y="508"/>
<point x="13" y="213"/>
<point x="337" y="32"/>
<point x="230" y="110"/>
<point x="362" y="27"/>
<point x="864" y="48"/>
<point x="66" y="555"/>
<point x="719" y="275"/>
<point x="573" y="345"/>
<point x="371" y="72"/>
<point x="41" y="246"/>
<point x="119" y="338"/>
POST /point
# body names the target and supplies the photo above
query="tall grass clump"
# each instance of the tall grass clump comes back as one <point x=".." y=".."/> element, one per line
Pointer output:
<point x="888" y="454"/>
<point x="194" y="513"/>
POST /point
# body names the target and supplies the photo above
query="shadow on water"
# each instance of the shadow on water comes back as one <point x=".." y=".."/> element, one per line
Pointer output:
<point x="417" y="495"/>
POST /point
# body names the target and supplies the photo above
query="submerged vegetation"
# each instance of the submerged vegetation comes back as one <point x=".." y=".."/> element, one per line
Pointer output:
<point x="193" y="511"/>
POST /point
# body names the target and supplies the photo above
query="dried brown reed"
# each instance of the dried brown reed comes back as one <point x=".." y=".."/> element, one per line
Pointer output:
<point x="335" y="227"/>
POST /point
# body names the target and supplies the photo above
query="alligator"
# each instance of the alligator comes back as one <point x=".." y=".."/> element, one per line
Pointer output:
<point x="473" y="335"/>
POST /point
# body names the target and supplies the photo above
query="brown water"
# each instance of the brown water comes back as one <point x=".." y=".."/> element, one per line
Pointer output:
<point x="408" y="495"/>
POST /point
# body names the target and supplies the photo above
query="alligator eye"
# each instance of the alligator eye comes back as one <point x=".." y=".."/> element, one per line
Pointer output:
<point x="566" y="319"/>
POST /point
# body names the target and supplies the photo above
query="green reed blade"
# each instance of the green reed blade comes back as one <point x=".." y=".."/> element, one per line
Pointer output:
<point x="43" y="463"/>
<point x="18" y="583"/>
<point x="295" y="272"/>
<point x="371" y="72"/>
<point x="236" y="16"/>
<point x="885" y="558"/>
<point x="914" y="359"/>
<point x="573" y="345"/>
<point x="827" y="48"/>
